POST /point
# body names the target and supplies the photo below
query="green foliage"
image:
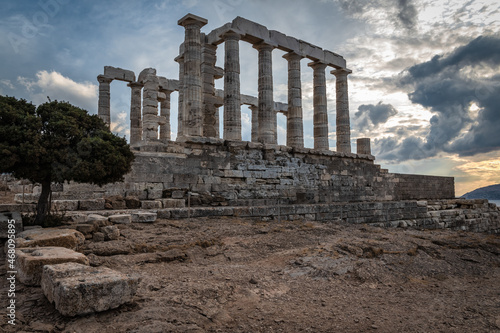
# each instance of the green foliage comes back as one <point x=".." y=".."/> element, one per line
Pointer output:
<point x="60" y="142"/>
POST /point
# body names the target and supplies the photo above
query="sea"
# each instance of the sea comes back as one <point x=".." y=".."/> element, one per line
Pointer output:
<point x="497" y="202"/>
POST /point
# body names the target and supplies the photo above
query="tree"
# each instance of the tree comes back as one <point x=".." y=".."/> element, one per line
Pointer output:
<point x="57" y="142"/>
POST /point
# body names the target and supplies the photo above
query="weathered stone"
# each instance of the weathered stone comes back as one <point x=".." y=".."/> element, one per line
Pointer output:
<point x="120" y="218"/>
<point x="92" y="204"/>
<point x="86" y="228"/>
<point x="115" y="202"/>
<point x="77" y="289"/>
<point x="97" y="219"/>
<point x="143" y="217"/>
<point x="110" y="232"/>
<point x="68" y="238"/>
<point x="173" y="203"/>
<point x="30" y="261"/>
<point x="65" y="205"/>
<point x="7" y="228"/>
<point x="150" y="204"/>
<point x="132" y="202"/>
<point x="98" y="237"/>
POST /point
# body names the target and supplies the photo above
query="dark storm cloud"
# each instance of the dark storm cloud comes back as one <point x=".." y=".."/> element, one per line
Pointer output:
<point x="400" y="12"/>
<point x="446" y="89"/>
<point x="374" y="114"/>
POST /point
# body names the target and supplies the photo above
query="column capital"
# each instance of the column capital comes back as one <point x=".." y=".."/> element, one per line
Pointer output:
<point x="104" y="79"/>
<point x="231" y="35"/>
<point x="135" y="85"/>
<point x="191" y="19"/>
<point x="179" y="58"/>
<point x="291" y="56"/>
<point x="166" y="91"/>
<point x="264" y="46"/>
<point x="341" y="71"/>
<point x="317" y="65"/>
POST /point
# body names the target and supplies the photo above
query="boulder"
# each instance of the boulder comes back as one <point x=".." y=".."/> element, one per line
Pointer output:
<point x="110" y="232"/>
<point x="120" y="218"/>
<point x="76" y="289"/>
<point x="30" y="261"/>
<point x="68" y="238"/>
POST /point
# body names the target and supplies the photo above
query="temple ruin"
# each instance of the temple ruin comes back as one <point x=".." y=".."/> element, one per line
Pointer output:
<point x="201" y="173"/>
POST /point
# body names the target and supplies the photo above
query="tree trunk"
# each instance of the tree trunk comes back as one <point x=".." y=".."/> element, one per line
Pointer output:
<point x="43" y="206"/>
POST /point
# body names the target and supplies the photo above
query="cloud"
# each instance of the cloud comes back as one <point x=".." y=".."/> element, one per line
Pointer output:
<point x="449" y="85"/>
<point x="58" y="87"/>
<point x="397" y="12"/>
<point x="370" y="115"/>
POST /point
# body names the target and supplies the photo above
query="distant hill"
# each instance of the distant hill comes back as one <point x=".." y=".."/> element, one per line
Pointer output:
<point x="491" y="192"/>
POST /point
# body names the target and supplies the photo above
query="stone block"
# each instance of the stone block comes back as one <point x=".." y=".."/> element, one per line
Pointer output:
<point x="97" y="220"/>
<point x="150" y="204"/>
<point x="28" y="198"/>
<point x="110" y="232"/>
<point x="120" y="218"/>
<point x="119" y="74"/>
<point x="173" y="203"/>
<point x="30" y="261"/>
<point x="65" y="205"/>
<point x="143" y="217"/>
<point x="68" y="238"/>
<point x="17" y="226"/>
<point x="86" y="228"/>
<point x="92" y="204"/>
<point x="77" y="289"/>
<point x="115" y="202"/>
<point x="132" y="202"/>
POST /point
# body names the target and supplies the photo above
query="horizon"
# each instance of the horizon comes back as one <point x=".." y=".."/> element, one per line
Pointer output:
<point x="425" y="86"/>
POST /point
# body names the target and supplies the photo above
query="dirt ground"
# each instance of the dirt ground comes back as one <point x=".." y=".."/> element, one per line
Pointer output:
<point x="237" y="275"/>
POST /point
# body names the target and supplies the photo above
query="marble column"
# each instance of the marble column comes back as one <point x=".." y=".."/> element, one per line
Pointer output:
<point x="135" y="112"/>
<point x="193" y="91"/>
<point x="320" y="117"/>
<point x="180" y="108"/>
<point x="104" y="104"/>
<point x="208" y="74"/>
<point x="294" y="123"/>
<point x="232" y="98"/>
<point x="267" y="115"/>
<point x="363" y="146"/>
<point x="165" y="115"/>
<point x="343" y="122"/>
<point x="150" y="119"/>
<point x="255" y="123"/>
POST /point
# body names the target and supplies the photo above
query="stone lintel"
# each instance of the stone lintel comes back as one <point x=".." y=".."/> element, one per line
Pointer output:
<point x="192" y="19"/>
<point x="119" y="74"/>
<point x="166" y="84"/>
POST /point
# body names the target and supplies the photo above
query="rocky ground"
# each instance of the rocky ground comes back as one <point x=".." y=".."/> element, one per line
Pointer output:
<point x="236" y="275"/>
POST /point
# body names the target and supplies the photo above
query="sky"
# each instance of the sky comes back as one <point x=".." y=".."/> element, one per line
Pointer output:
<point x="425" y="82"/>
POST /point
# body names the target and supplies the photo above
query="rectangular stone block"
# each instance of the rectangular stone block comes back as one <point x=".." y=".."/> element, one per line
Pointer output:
<point x="76" y="289"/>
<point x="151" y="204"/>
<point x="65" y="205"/>
<point x="143" y="217"/>
<point x="173" y="203"/>
<point x="92" y="204"/>
<point x="30" y="261"/>
<point x="120" y="218"/>
<point x="68" y="238"/>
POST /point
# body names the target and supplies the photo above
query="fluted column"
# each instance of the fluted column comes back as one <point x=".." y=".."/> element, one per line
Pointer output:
<point x="343" y="121"/>
<point x="180" y="108"/>
<point x="135" y="112"/>
<point x="267" y="116"/>
<point x="150" y="118"/>
<point x="294" y="123"/>
<point x="104" y="104"/>
<point x="320" y="106"/>
<point x="165" y="115"/>
<point x="208" y="74"/>
<point x="232" y="98"/>
<point x="255" y="123"/>
<point x="193" y="107"/>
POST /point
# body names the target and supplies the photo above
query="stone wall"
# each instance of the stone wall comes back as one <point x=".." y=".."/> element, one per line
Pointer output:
<point x="214" y="172"/>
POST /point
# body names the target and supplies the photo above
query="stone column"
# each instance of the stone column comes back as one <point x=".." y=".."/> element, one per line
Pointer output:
<point x="193" y="112"/>
<point x="180" y="108"/>
<point x="135" y="112"/>
<point x="363" y="146"/>
<point x="294" y="123"/>
<point x="267" y="115"/>
<point x="150" y="119"/>
<point x="232" y="98"/>
<point x="165" y="115"/>
<point x="208" y="73"/>
<point x="104" y="104"/>
<point x="343" y="122"/>
<point x="320" y="106"/>
<point x="255" y="122"/>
